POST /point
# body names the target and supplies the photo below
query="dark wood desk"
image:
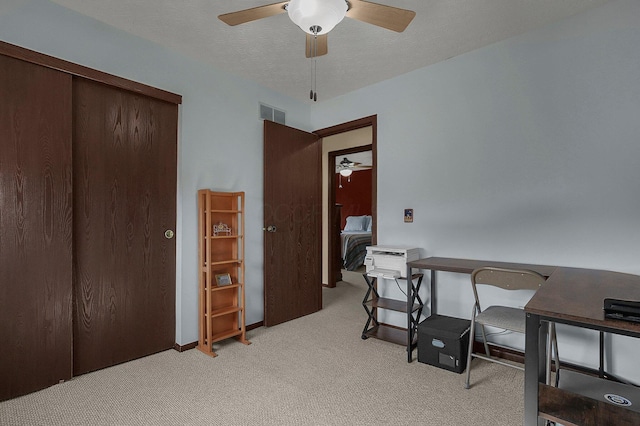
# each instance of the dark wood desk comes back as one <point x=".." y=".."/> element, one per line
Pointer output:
<point x="465" y="266"/>
<point x="573" y="296"/>
<point x="570" y="296"/>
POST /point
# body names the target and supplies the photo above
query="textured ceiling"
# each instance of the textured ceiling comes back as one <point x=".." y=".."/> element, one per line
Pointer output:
<point x="270" y="51"/>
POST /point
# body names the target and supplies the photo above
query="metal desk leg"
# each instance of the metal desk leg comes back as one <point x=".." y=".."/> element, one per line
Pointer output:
<point x="409" y="328"/>
<point x="534" y="367"/>
<point x="432" y="295"/>
<point x="409" y="319"/>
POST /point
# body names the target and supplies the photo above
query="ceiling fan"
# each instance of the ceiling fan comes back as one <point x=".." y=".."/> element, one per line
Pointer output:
<point x="317" y="18"/>
<point x="346" y="166"/>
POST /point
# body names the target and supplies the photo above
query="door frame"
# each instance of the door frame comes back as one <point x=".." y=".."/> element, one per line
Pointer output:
<point x="370" y="121"/>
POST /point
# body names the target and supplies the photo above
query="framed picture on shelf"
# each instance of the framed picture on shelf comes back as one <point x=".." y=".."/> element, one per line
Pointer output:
<point x="223" y="279"/>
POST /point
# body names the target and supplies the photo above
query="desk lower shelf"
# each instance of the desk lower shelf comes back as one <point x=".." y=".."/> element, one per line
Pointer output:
<point x="569" y="408"/>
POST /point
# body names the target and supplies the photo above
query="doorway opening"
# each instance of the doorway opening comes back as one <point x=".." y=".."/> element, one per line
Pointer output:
<point x="341" y="141"/>
<point x="352" y="220"/>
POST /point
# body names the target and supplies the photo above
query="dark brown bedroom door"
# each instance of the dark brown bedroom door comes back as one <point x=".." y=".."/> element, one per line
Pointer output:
<point x="293" y="223"/>
<point x="124" y="159"/>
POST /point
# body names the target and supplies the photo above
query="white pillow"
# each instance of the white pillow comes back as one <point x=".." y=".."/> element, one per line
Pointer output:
<point x="355" y="223"/>
<point x="369" y="220"/>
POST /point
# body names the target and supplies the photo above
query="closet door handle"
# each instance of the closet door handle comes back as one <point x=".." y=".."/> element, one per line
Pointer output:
<point x="168" y="234"/>
<point x="270" y="228"/>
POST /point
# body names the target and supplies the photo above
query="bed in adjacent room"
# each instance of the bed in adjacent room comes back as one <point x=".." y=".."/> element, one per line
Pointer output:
<point x="355" y="237"/>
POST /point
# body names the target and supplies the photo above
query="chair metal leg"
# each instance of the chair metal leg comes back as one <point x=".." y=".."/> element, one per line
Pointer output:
<point x="472" y="333"/>
<point x="549" y="345"/>
<point x="555" y="349"/>
<point x="484" y="341"/>
<point x="552" y="346"/>
<point x="552" y="349"/>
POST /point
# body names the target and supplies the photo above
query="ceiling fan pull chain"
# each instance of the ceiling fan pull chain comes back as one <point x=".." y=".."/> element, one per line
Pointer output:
<point x="311" y="79"/>
<point x="313" y="94"/>
<point x="315" y="67"/>
<point x="315" y="82"/>
<point x="311" y="84"/>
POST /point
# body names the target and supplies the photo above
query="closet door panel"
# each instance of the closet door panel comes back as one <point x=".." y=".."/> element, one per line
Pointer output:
<point x="35" y="227"/>
<point x="124" y="151"/>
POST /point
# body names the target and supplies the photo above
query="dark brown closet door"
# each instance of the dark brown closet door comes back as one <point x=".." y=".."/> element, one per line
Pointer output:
<point x="124" y="159"/>
<point x="35" y="227"/>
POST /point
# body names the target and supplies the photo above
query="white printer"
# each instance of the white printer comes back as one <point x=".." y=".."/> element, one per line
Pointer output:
<point x="389" y="261"/>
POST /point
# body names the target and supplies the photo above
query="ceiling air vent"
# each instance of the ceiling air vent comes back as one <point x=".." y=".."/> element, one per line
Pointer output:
<point x="272" y="114"/>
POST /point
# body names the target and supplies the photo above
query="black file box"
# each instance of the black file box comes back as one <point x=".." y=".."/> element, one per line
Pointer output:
<point x="443" y="342"/>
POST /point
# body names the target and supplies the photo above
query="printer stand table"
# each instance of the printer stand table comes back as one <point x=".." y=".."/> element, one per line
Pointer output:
<point x="412" y="307"/>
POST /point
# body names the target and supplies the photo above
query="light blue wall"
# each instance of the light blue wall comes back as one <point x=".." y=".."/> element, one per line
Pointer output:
<point x="220" y="136"/>
<point x="527" y="150"/>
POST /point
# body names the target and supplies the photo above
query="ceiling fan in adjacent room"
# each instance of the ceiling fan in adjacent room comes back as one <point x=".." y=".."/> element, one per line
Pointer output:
<point x="318" y="17"/>
<point x="346" y="168"/>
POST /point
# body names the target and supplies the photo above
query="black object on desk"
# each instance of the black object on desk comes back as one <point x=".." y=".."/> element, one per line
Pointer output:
<point x="625" y="310"/>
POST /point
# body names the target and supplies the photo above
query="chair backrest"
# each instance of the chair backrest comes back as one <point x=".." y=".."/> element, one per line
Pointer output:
<point x="508" y="279"/>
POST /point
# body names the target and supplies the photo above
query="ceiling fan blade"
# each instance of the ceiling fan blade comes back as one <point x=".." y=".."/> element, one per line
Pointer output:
<point x="321" y="48"/>
<point x="253" y="14"/>
<point x="391" y="18"/>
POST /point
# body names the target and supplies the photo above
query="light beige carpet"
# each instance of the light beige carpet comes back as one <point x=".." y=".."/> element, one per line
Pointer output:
<point x="314" y="370"/>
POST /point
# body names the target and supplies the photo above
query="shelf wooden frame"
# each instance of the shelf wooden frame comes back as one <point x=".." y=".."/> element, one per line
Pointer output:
<point x="220" y="307"/>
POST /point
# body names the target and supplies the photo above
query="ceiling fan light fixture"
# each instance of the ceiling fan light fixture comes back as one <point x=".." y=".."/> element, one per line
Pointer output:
<point x="346" y="172"/>
<point x="316" y="17"/>
<point x="346" y="163"/>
